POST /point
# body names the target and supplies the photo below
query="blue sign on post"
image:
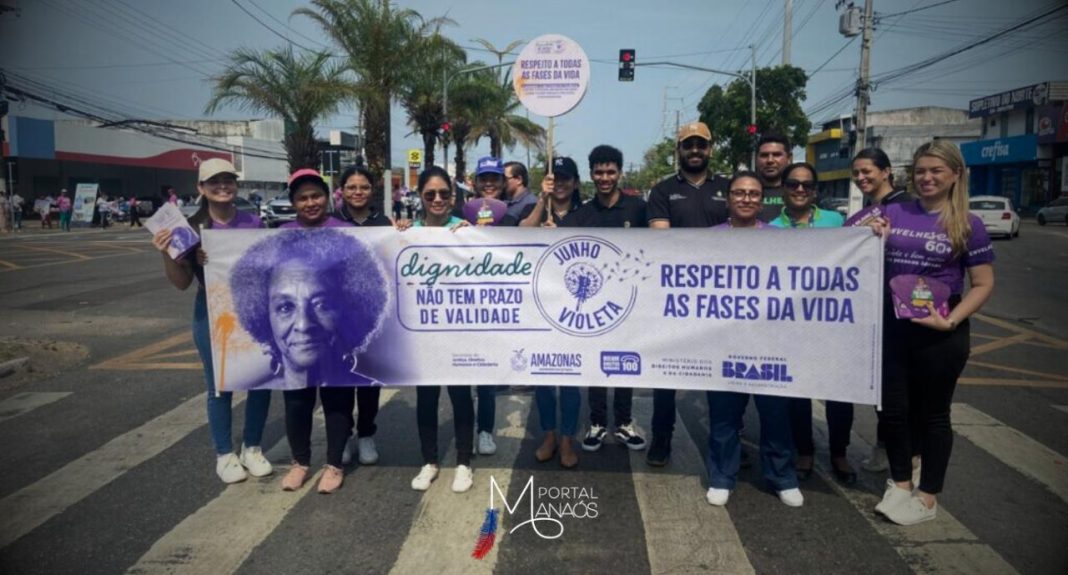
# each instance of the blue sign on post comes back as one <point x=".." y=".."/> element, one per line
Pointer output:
<point x="1001" y="150"/>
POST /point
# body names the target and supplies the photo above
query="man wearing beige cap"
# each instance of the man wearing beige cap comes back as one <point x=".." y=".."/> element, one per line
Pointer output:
<point x="690" y="198"/>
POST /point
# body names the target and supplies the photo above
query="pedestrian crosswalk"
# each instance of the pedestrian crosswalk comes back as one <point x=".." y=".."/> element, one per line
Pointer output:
<point x="250" y="527"/>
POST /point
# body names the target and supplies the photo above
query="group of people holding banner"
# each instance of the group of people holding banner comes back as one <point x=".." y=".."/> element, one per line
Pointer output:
<point x="929" y="234"/>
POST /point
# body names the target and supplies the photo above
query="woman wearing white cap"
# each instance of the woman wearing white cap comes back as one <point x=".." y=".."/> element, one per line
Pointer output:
<point x="217" y="184"/>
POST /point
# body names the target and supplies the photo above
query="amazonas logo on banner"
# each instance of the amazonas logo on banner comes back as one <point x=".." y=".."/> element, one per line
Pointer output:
<point x="781" y="312"/>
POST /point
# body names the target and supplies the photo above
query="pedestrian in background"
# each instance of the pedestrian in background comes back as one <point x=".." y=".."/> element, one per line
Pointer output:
<point x="17" y="206"/>
<point x="66" y="209"/>
<point x="135" y="213"/>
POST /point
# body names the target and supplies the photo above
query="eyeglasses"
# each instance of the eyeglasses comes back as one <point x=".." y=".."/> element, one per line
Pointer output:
<point x="694" y="144"/>
<point x="792" y="184"/>
<point x="747" y="194"/>
<point x="429" y="195"/>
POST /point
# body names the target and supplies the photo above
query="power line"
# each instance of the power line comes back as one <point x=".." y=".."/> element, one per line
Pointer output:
<point x="287" y="26"/>
<point x="273" y="31"/>
<point x="877" y="15"/>
<point x="833" y="56"/>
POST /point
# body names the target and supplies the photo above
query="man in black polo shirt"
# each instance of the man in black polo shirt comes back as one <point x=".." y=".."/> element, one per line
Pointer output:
<point x="609" y="208"/>
<point x="773" y="155"/>
<point x="691" y="198"/>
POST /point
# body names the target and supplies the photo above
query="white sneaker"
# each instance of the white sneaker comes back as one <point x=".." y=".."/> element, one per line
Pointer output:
<point x="912" y="512"/>
<point x="367" y="450"/>
<point x="253" y="460"/>
<point x="228" y="468"/>
<point x="426" y="476"/>
<point x="792" y="497"/>
<point x="718" y="497"/>
<point x="878" y="460"/>
<point x="346" y="454"/>
<point x="894" y="496"/>
<point x="463" y="479"/>
<point x="486" y="446"/>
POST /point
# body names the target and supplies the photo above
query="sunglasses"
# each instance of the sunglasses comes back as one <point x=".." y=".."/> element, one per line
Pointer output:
<point x="429" y="195"/>
<point x="792" y="184"/>
<point x="694" y="144"/>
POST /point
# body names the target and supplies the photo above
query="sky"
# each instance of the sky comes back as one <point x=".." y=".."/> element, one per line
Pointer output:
<point x="154" y="58"/>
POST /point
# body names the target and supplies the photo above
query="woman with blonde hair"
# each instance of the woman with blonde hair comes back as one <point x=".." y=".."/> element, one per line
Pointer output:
<point x="936" y="238"/>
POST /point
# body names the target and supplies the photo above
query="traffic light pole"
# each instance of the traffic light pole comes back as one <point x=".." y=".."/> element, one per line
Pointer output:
<point x="445" y="98"/>
<point x="750" y="79"/>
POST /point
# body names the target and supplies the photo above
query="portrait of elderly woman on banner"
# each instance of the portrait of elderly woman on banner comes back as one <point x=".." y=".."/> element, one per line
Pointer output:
<point x="312" y="301"/>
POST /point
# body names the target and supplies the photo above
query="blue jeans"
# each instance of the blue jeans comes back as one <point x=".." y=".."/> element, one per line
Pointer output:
<point x="219" y="412"/>
<point x="487" y="407"/>
<point x="725" y="410"/>
<point x="570" y="401"/>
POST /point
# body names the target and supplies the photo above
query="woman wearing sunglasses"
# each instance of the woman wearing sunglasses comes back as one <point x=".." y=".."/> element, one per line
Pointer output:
<point x="435" y="189"/>
<point x="800" y="182"/>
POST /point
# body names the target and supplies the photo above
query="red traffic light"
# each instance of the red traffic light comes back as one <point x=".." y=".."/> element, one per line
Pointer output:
<point x="445" y="126"/>
<point x="752" y="129"/>
<point x="627" y="56"/>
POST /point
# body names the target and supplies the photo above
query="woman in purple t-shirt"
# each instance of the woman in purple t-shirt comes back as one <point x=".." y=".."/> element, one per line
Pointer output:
<point x="934" y="237"/>
<point x="218" y="185"/>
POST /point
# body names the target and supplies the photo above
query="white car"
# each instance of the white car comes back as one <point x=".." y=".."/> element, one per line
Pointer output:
<point x="1055" y="211"/>
<point x="997" y="214"/>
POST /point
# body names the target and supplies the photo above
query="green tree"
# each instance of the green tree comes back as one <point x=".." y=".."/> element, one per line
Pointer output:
<point x="780" y="92"/>
<point x="382" y="44"/>
<point x="298" y="89"/>
<point x="657" y="163"/>
<point x="421" y="96"/>
<point x="496" y="119"/>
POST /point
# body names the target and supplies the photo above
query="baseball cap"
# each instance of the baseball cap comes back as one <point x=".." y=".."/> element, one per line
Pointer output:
<point x="565" y="167"/>
<point x="489" y="165"/>
<point x="303" y="175"/>
<point x="213" y="167"/>
<point x="692" y="129"/>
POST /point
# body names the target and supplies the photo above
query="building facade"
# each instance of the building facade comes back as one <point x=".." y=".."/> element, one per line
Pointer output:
<point x="1022" y="152"/>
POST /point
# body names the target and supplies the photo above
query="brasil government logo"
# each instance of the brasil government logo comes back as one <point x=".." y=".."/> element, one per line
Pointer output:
<point x="586" y="286"/>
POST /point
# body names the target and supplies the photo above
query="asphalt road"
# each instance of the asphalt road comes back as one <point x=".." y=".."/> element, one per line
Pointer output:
<point x="107" y="465"/>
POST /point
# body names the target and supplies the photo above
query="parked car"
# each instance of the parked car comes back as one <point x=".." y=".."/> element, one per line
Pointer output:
<point x="840" y="205"/>
<point x="1055" y="211"/>
<point x="997" y="214"/>
<point x="277" y="212"/>
<point x="242" y="204"/>
<point x="147" y="205"/>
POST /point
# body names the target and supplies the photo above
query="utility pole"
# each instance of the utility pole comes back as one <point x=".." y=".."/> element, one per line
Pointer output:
<point x="856" y="200"/>
<point x="787" y="32"/>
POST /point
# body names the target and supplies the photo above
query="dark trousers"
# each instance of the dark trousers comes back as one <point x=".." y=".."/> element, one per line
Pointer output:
<point x="839" y="426"/>
<point x="338" y="403"/>
<point x="135" y="217"/>
<point x="621" y="404"/>
<point x="463" y="417"/>
<point x="367" y="410"/>
<point x="487" y="407"/>
<point x="725" y="410"/>
<point x="663" y="423"/>
<point x="920" y="371"/>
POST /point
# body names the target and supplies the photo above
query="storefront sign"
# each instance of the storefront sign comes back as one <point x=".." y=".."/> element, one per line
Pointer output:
<point x="1001" y="150"/>
<point x="1019" y="98"/>
<point x="1052" y="124"/>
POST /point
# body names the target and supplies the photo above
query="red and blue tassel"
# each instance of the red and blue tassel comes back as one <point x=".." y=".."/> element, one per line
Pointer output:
<point x="487" y="535"/>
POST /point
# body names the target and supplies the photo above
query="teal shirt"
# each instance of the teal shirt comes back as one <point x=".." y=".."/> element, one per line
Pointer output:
<point x="453" y="220"/>
<point x="819" y="219"/>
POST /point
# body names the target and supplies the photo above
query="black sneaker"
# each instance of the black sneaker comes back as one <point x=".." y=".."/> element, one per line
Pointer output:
<point x="594" y="438"/>
<point x="745" y="462"/>
<point x="628" y="436"/>
<point x="659" y="452"/>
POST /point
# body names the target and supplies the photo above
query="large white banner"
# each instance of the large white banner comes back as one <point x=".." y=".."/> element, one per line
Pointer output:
<point x="779" y="312"/>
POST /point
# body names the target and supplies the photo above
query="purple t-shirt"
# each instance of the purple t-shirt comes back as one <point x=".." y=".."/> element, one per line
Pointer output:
<point x="918" y="245"/>
<point x="331" y="222"/>
<point x="242" y="221"/>
<point x="727" y="225"/>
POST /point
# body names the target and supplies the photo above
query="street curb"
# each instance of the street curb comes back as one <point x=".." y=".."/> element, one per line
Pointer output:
<point x="11" y="366"/>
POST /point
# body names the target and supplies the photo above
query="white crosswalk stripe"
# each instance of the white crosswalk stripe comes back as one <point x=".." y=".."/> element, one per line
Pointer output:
<point x="28" y="401"/>
<point x="1013" y="448"/>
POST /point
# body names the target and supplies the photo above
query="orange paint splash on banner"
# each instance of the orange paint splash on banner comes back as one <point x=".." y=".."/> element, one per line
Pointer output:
<point x="224" y="326"/>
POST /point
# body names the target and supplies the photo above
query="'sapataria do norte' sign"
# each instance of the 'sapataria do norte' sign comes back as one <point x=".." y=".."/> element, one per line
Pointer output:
<point x="550" y="75"/>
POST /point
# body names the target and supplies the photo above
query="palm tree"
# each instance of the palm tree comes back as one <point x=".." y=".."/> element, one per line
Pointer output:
<point x="421" y="97"/>
<point x="381" y="43"/>
<point x="497" y="121"/>
<point x="298" y="89"/>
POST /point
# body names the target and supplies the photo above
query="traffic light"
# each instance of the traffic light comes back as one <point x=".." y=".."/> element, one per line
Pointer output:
<point x="626" y="65"/>
<point x="752" y="129"/>
<point x="445" y="126"/>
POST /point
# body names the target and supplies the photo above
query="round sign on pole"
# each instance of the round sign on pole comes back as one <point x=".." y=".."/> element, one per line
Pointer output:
<point x="550" y="75"/>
